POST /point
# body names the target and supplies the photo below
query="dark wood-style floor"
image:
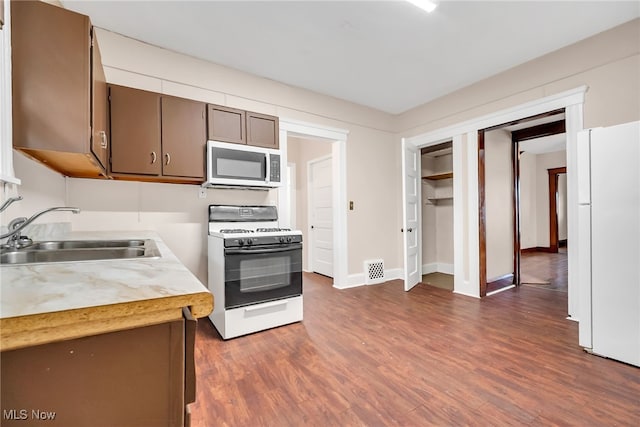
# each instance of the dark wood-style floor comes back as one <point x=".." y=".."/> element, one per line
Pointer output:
<point x="543" y="269"/>
<point x="378" y="356"/>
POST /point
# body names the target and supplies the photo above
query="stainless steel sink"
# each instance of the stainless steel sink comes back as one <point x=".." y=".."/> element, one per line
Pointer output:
<point x="79" y="250"/>
<point x="85" y="244"/>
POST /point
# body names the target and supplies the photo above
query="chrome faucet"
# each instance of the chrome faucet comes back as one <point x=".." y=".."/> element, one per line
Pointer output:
<point x="16" y="240"/>
<point x="10" y="200"/>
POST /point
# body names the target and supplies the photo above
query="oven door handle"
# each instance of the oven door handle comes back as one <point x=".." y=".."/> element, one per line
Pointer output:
<point x="262" y="250"/>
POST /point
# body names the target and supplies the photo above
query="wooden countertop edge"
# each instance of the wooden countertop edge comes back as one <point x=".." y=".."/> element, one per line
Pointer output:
<point x="25" y="331"/>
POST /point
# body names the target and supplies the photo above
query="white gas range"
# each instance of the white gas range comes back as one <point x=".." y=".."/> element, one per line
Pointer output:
<point x="255" y="270"/>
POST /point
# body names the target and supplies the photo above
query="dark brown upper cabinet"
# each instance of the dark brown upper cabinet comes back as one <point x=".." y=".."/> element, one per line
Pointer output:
<point x="135" y="131"/>
<point x="262" y="130"/>
<point x="59" y="109"/>
<point x="183" y="137"/>
<point x="242" y="127"/>
<point x="226" y="124"/>
<point x="156" y="137"/>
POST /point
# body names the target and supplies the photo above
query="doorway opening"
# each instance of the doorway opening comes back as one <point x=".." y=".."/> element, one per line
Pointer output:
<point x="519" y="165"/>
<point x="304" y="145"/>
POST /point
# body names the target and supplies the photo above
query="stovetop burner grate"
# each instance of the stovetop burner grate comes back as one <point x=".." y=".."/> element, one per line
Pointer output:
<point x="271" y="230"/>
<point x="235" y="230"/>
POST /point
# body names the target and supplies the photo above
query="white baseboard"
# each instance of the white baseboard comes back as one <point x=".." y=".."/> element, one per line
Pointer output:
<point x="466" y="294"/>
<point x="463" y="287"/>
<point x="355" y="280"/>
<point x="437" y="267"/>
<point x="497" y="291"/>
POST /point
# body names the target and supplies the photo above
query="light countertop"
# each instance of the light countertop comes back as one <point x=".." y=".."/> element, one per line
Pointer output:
<point x="42" y="303"/>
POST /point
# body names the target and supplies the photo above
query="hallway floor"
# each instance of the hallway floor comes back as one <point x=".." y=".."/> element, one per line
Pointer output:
<point x="541" y="269"/>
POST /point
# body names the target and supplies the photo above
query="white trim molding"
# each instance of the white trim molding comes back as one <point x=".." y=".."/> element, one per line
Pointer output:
<point x="466" y="226"/>
<point x="437" y="267"/>
<point x="310" y="129"/>
<point x="338" y="138"/>
<point x="357" y="280"/>
<point x="549" y="103"/>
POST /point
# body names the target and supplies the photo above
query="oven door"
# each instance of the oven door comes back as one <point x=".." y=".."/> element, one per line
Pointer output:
<point x="256" y="274"/>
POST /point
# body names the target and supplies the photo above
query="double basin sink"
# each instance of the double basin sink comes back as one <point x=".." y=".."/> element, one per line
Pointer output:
<point x="79" y="250"/>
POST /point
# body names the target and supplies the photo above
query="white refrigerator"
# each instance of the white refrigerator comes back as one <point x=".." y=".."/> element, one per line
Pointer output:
<point x="608" y="172"/>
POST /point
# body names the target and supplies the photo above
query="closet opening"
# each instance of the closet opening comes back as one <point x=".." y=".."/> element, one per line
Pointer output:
<point x="437" y="215"/>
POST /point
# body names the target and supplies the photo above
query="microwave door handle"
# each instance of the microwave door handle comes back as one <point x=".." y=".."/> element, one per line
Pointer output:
<point x="267" y="169"/>
<point x="261" y="251"/>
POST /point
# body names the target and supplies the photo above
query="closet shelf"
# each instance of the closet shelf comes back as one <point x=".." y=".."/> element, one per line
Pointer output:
<point x="439" y="199"/>
<point x="439" y="176"/>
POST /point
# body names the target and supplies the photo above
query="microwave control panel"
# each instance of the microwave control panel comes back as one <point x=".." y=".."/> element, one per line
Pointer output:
<point x="275" y="168"/>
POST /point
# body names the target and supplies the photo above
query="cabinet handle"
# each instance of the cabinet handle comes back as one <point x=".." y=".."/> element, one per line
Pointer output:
<point x="153" y="157"/>
<point x="168" y="157"/>
<point x="103" y="139"/>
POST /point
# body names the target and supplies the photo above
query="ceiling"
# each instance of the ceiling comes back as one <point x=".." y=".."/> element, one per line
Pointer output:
<point x="387" y="55"/>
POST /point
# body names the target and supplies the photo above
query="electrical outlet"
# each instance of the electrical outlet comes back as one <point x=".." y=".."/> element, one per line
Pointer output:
<point x="202" y="193"/>
<point x="351" y="205"/>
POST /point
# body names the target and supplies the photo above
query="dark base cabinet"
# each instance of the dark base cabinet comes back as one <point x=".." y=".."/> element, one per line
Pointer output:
<point x="137" y="377"/>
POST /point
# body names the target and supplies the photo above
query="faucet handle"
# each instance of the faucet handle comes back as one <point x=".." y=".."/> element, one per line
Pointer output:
<point x="9" y="201"/>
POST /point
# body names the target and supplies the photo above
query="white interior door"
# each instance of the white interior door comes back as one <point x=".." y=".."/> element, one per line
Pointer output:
<point x="321" y="216"/>
<point x="411" y="209"/>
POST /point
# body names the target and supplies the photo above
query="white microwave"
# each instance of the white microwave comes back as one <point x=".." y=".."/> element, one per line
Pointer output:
<point x="236" y="165"/>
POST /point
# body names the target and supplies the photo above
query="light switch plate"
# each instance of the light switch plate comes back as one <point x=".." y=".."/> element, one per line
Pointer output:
<point x="202" y="193"/>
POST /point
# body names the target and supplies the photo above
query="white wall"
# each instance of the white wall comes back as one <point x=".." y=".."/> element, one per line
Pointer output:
<point x="41" y="188"/>
<point x="499" y="203"/>
<point x="609" y="63"/>
<point x="534" y="198"/>
<point x="528" y="193"/>
<point x="562" y="206"/>
<point x="177" y="213"/>
<point x="544" y="162"/>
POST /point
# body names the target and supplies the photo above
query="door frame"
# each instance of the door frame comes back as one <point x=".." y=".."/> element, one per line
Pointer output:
<point x="309" y="205"/>
<point x="338" y="139"/>
<point x="466" y="224"/>
<point x="517" y="136"/>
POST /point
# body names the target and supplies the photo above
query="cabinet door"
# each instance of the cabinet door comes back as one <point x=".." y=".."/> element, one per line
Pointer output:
<point x="184" y="137"/>
<point x="262" y="130"/>
<point x="50" y="78"/>
<point x="99" y="119"/>
<point x="135" y="131"/>
<point x="226" y="124"/>
<point x="128" y="378"/>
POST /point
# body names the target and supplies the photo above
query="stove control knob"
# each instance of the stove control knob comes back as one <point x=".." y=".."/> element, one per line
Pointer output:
<point x="282" y="239"/>
<point x="250" y="241"/>
<point x="241" y="242"/>
<point x="289" y="239"/>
